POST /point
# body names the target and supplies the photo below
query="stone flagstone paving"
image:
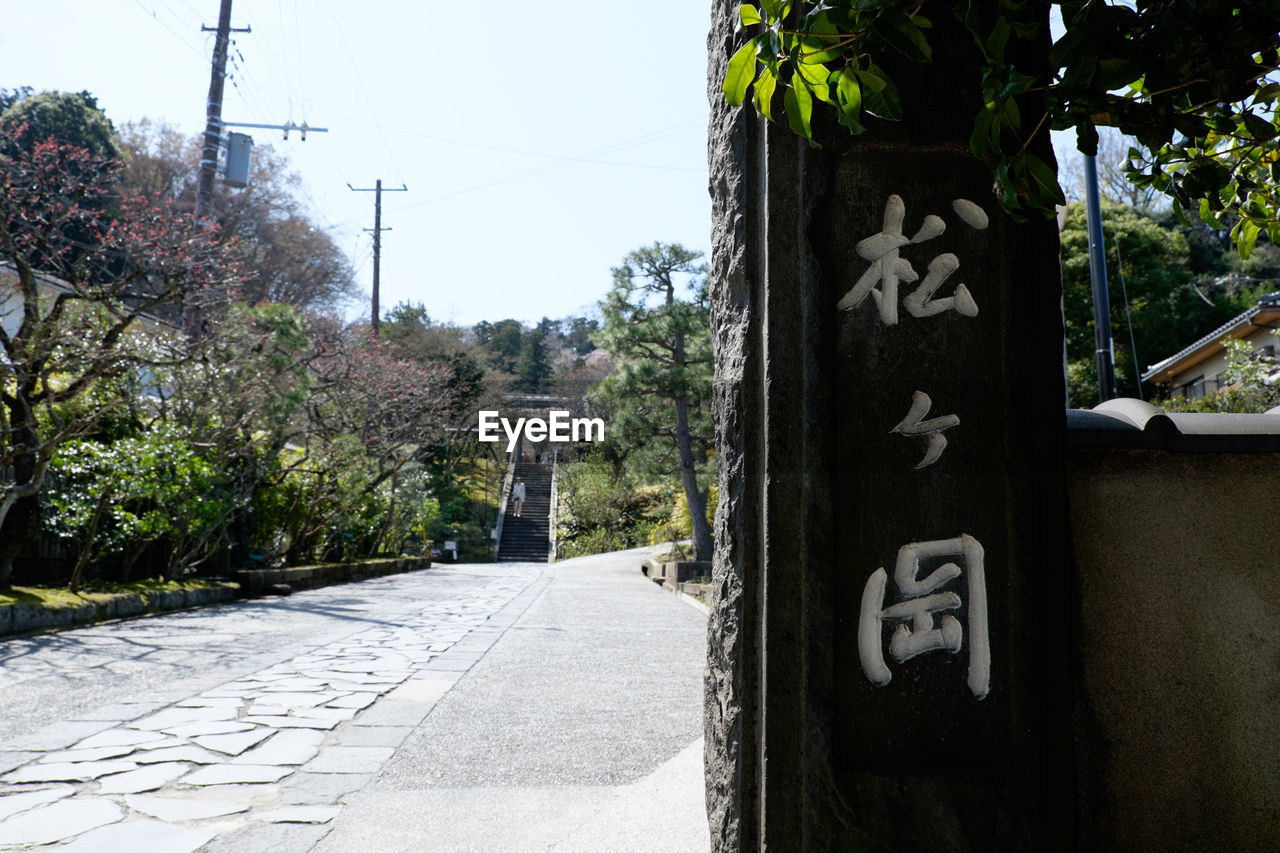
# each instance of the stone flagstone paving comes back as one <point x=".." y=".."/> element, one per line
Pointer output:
<point x="278" y="746"/>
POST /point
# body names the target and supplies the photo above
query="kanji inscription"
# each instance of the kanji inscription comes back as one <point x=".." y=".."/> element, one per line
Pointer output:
<point x="888" y="268"/>
<point x="919" y="628"/>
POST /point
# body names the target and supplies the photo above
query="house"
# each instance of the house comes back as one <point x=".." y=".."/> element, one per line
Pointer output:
<point x="1197" y="370"/>
<point x="11" y="295"/>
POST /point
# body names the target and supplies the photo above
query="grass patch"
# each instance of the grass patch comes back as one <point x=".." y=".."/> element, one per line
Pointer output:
<point x="57" y="596"/>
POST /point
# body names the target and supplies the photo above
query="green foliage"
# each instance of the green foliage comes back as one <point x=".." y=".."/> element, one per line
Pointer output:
<point x="159" y="484"/>
<point x="1189" y="80"/>
<point x="678" y="524"/>
<point x="414" y="336"/>
<point x="70" y="118"/>
<point x="533" y="368"/>
<point x="643" y="333"/>
<point x="662" y="345"/>
<point x="503" y="340"/>
<point x="1172" y="295"/>
<point x="602" y="509"/>
<point x="1254" y="388"/>
<point x="657" y="328"/>
<point x="578" y="336"/>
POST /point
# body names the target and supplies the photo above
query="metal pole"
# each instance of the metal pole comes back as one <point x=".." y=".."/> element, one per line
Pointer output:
<point x="1098" y="276"/>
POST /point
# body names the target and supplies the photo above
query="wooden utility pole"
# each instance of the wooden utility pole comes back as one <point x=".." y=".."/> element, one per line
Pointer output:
<point x="213" y="109"/>
<point x="377" y="230"/>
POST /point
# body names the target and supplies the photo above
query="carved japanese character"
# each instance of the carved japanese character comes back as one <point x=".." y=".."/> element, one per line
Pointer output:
<point x="888" y="268"/>
<point x="917" y="632"/>
<point x="915" y="424"/>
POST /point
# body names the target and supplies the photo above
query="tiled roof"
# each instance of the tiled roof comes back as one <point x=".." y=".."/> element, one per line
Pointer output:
<point x="1271" y="300"/>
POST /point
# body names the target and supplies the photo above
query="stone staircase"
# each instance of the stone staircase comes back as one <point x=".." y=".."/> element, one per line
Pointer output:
<point x="527" y="539"/>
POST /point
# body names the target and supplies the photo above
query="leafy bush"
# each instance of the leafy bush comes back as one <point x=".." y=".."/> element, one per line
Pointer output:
<point x="604" y="510"/>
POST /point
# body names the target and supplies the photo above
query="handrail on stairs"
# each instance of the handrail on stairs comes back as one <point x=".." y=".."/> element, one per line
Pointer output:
<point x="507" y="479"/>
<point x="555" y="513"/>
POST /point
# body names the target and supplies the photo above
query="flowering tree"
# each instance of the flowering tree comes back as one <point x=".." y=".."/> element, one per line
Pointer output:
<point x="375" y="416"/>
<point x="81" y="269"/>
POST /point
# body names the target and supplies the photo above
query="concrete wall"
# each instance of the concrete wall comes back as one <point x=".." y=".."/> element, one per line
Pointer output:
<point x="1179" y="669"/>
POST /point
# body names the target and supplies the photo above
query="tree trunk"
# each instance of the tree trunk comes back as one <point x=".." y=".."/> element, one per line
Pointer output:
<point x="696" y="498"/>
<point x="20" y="507"/>
<point x="87" y="548"/>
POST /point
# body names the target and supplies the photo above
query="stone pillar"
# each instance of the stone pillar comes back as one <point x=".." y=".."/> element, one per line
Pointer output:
<point x="914" y="426"/>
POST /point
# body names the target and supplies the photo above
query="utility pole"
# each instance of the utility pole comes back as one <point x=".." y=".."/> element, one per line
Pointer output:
<point x="377" y="230"/>
<point x="1103" y="348"/>
<point x="213" y="109"/>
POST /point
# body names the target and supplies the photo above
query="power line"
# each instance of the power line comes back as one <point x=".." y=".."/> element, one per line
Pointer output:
<point x="153" y="16"/>
<point x="528" y="173"/>
<point x="368" y="102"/>
<point x="651" y="136"/>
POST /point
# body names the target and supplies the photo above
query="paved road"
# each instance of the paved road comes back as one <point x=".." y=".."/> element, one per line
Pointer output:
<point x="500" y="707"/>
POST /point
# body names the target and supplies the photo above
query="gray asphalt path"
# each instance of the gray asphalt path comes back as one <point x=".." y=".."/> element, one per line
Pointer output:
<point x="490" y="707"/>
<point x="579" y="731"/>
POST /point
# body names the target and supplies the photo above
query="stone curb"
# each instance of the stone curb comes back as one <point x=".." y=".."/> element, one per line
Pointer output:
<point x="257" y="581"/>
<point x="104" y="606"/>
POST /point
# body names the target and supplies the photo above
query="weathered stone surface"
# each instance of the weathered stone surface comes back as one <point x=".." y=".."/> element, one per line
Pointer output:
<point x="321" y="788"/>
<point x="299" y="722"/>
<point x="183" y="716"/>
<point x="96" y="753"/>
<point x="731" y="772"/>
<point x="359" y="701"/>
<point x="63" y="819"/>
<point x="21" y="801"/>
<point x="181" y="809"/>
<point x="818" y="490"/>
<point x="295" y="746"/>
<point x="350" y="759"/>
<point x="10" y="759"/>
<point x="124" y="605"/>
<point x="396" y="712"/>
<point x="233" y="744"/>
<point x="236" y="774"/>
<point x="269" y="836"/>
<point x="211" y="702"/>
<point x="358" y="735"/>
<point x="139" y="835"/>
<point x="284" y="699"/>
<point x="192" y="754"/>
<point x="67" y="772"/>
<point x="121" y="737"/>
<point x="213" y="727"/>
<point x="141" y="780"/>
<point x="60" y="736"/>
<point x="300" y="814"/>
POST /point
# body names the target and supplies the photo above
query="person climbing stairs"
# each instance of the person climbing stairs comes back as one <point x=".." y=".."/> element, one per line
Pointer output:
<point x="527" y="537"/>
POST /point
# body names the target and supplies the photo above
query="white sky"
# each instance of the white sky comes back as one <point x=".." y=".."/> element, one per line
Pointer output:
<point x="538" y="147"/>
